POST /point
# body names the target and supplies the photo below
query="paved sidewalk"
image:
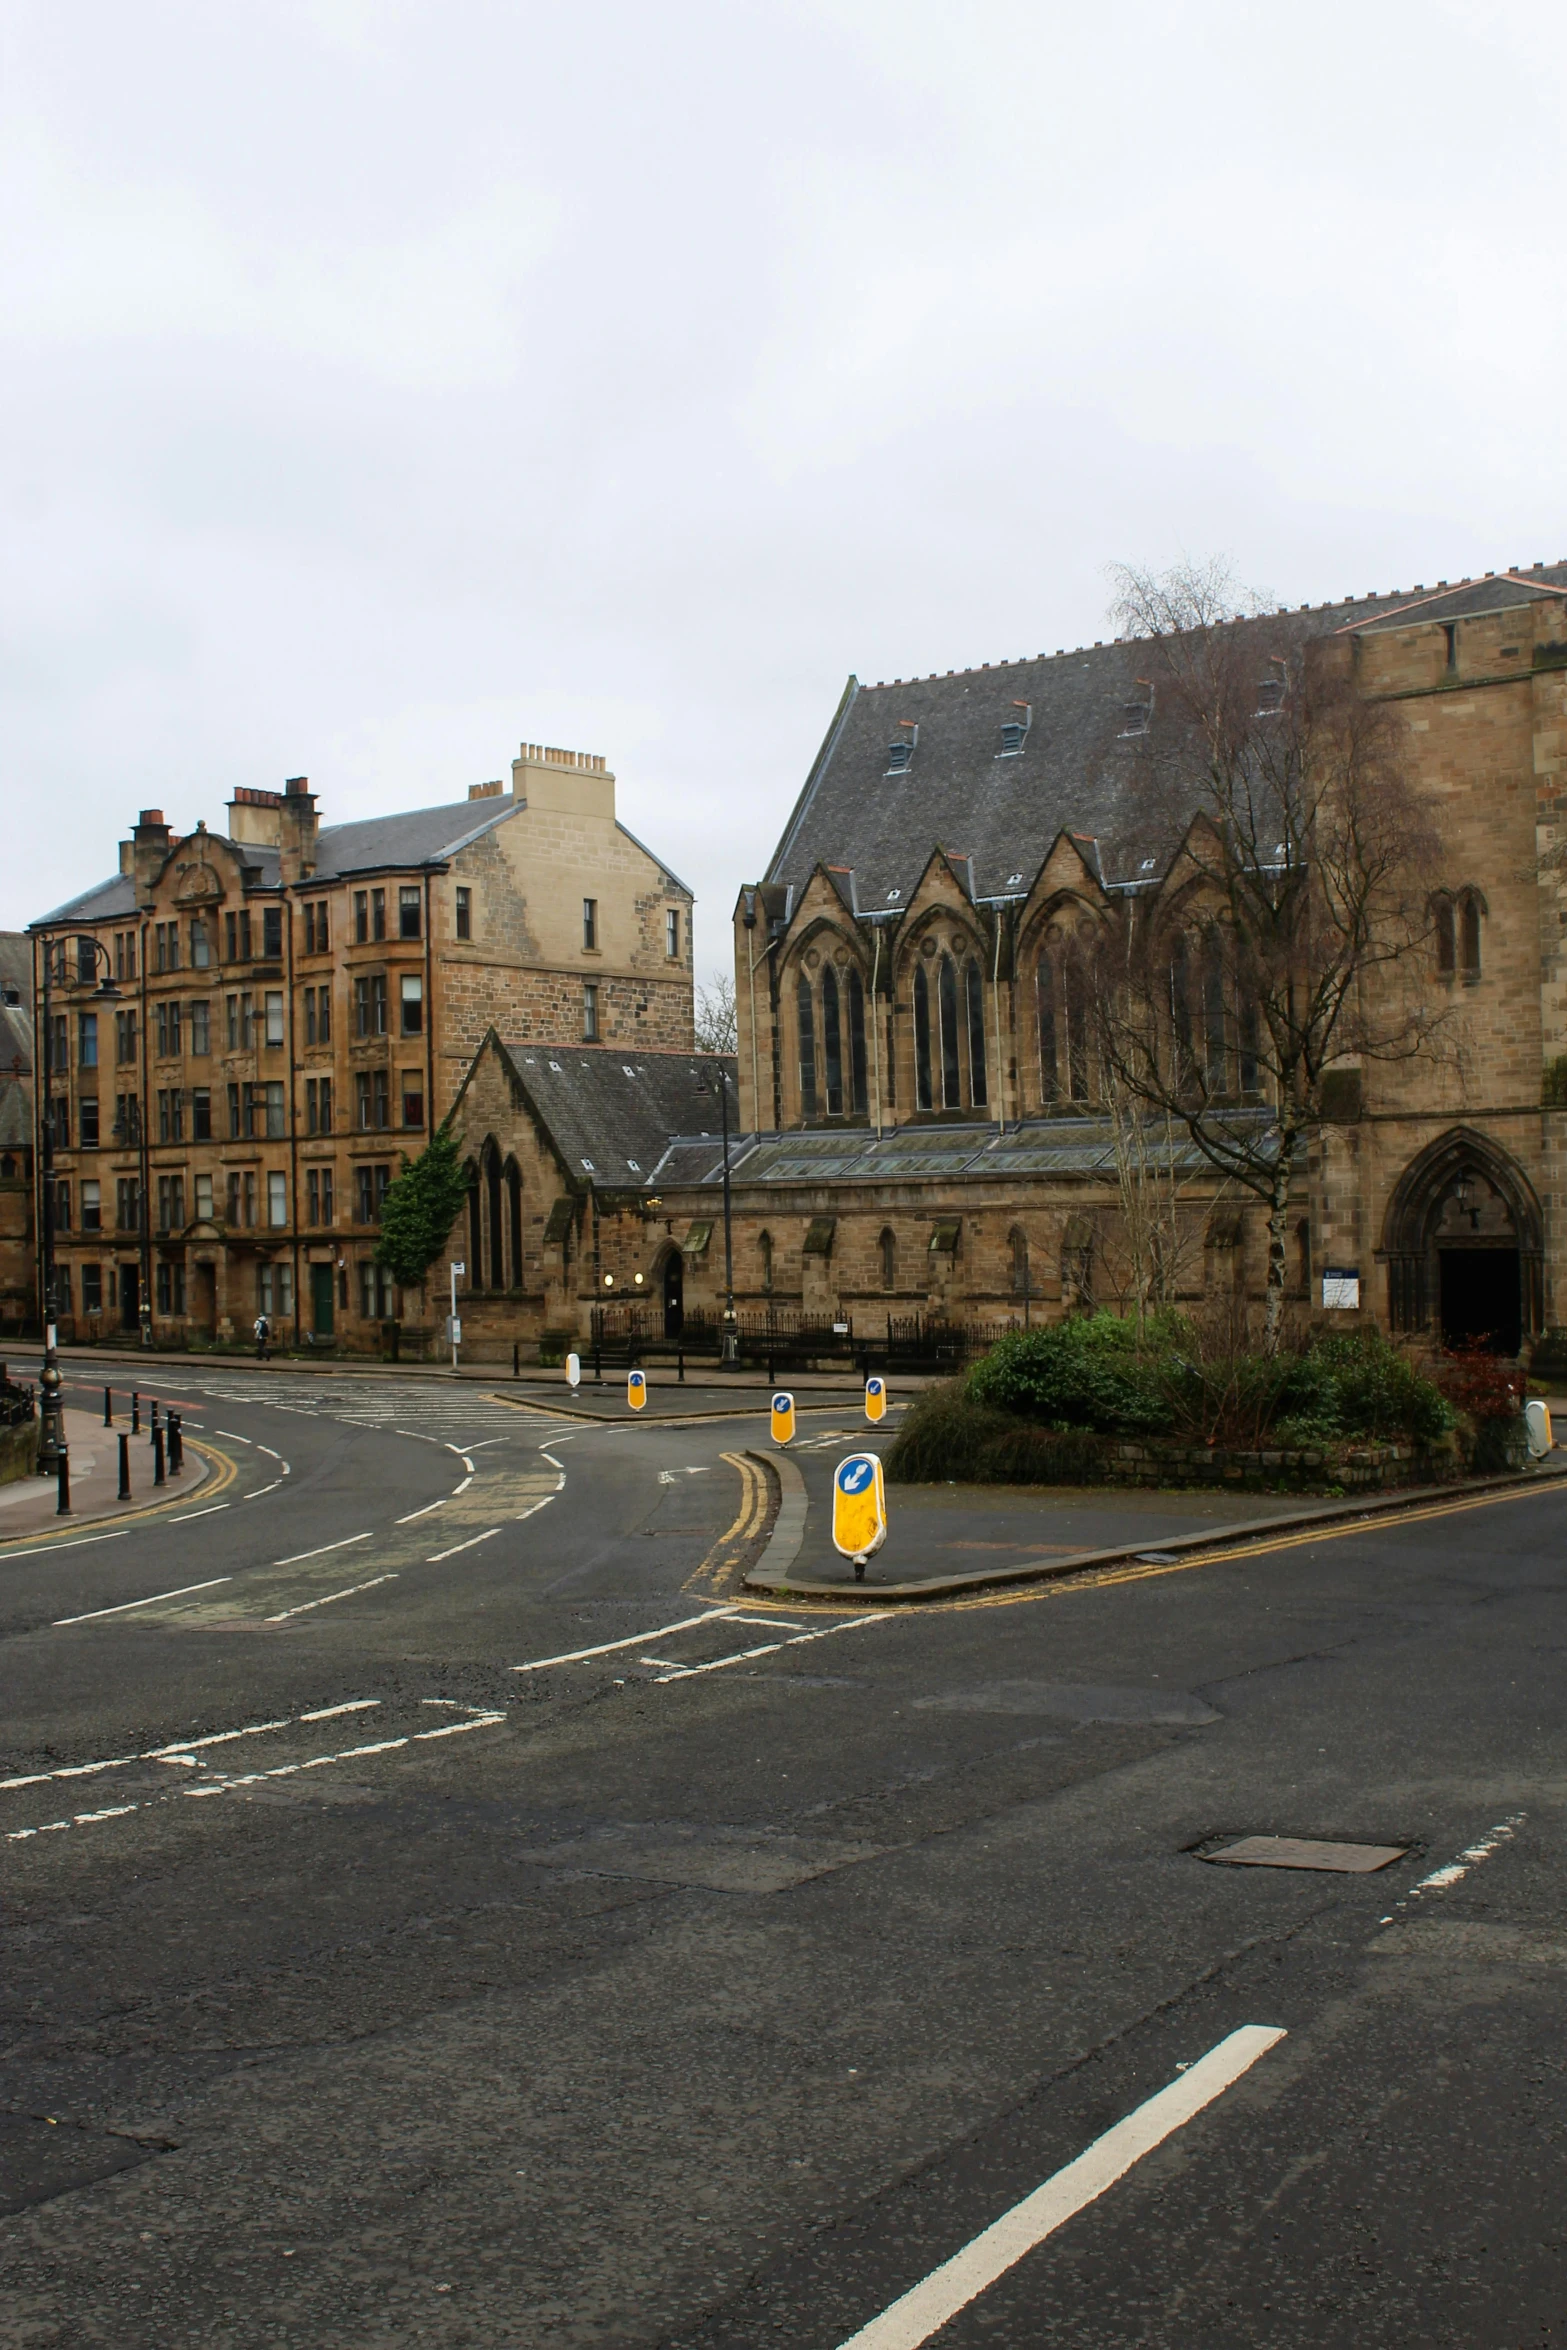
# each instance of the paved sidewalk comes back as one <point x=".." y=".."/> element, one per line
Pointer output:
<point x="30" y="1505"/>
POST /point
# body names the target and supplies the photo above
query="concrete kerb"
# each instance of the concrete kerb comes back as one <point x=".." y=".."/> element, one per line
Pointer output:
<point x="770" y="1574"/>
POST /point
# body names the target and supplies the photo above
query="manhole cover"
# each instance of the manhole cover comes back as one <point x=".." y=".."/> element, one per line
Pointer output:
<point x="1300" y="1852"/>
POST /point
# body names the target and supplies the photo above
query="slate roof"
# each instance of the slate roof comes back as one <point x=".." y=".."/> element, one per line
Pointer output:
<point x="102" y="903"/>
<point x="16" y="1115"/>
<point x="1072" y="774"/>
<point x="415" y="836"/>
<point x="1082" y="1147"/>
<point x="16" y="1039"/>
<point x="611" y="1114"/>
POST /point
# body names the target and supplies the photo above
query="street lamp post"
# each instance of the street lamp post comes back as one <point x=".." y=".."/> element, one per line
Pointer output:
<point x="51" y="1408"/>
<point x="729" y="1357"/>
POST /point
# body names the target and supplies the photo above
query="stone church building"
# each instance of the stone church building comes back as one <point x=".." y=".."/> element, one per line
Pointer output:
<point x="913" y="1100"/>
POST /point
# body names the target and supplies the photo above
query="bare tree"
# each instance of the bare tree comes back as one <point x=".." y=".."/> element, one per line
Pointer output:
<point x="1148" y="1249"/>
<point x="717" y="1030"/>
<point x="1282" y="948"/>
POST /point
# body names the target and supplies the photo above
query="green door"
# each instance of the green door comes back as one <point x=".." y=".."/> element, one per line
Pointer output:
<point x="321" y="1299"/>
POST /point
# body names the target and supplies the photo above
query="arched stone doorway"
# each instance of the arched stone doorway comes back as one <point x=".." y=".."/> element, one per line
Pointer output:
<point x="672" y="1281"/>
<point x="1464" y="1246"/>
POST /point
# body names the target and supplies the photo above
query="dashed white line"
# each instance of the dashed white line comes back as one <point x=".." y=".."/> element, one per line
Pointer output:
<point x="85" y="1543"/>
<point x="209" y="1512"/>
<point x="301" y="1555"/>
<point x="436" y="1558"/>
<point x="456" y="1729"/>
<point x="425" y="1512"/>
<point x="152" y="1600"/>
<point x="462" y="1488"/>
<point x="574" y="1656"/>
<point x="916" y="2315"/>
<point x="349" y="1593"/>
<point x="532" y="1507"/>
<point x="1471" y="1857"/>
<point x="719" y="1664"/>
<point x="350" y="1705"/>
<point x="233" y="1435"/>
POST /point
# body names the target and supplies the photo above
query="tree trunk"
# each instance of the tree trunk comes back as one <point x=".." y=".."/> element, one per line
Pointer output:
<point x="1278" y="1214"/>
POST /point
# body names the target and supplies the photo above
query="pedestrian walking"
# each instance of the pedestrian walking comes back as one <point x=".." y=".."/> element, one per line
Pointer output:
<point x="263" y="1335"/>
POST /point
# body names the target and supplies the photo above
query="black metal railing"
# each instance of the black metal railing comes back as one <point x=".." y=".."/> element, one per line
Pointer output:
<point x="18" y="1404"/>
<point x="785" y="1338"/>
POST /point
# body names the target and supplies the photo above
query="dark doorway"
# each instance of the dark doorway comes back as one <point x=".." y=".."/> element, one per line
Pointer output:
<point x="204" y="1312"/>
<point x="130" y="1297"/>
<point x="321" y="1300"/>
<point x="1480" y="1299"/>
<point x="674" y="1294"/>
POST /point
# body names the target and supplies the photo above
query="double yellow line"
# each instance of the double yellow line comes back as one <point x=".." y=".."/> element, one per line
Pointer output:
<point x="716" y="1573"/>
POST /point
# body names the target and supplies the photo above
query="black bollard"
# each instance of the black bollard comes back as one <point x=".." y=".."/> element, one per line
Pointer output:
<point x="176" y="1445"/>
<point x="135" y="1411"/>
<point x="108" y="1407"/>
<point x="516" y="1359"/>
<point x="62" y="1508"/>
<point x="598" y="1368"/>
<point x="680" y="1358"/>
<point x="153" y="1428"/>
<point x="125" y="1467"/>
<point x="157" y="1456"/>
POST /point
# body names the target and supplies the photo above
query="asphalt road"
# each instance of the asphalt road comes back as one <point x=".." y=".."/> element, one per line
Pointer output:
<point x="436" y="1907"/>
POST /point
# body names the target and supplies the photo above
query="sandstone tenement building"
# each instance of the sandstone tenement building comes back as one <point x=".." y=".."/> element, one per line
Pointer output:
<point x="297" y="1005"/>
<point x="920" y="1128"/>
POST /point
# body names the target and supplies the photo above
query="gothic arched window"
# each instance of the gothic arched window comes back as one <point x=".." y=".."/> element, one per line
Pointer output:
<point x="1019" y="1245"/>
<point x="889" y="1259"/>
<point x="492" y="1203"/>
<point x="514" y="1221"/>
<point x="806" y="1018"/>
<point x="475" y="1231"/>
<point x="832" y="1043"/>
<point x="951" y="1075"/>
<point x="973" y="989"/>
<point x="923" y="1093"/>
<point x="1215" y="1048"/>
<point x="1045" y="990"/>
<point x="1180" y="1008"/>
<point x="1469" y="934"/>
<point x="859" y="1093"/>
<point x="1446" y="936"/>
<point x="764" y="1245"/>
<point x="1075" y="992"/>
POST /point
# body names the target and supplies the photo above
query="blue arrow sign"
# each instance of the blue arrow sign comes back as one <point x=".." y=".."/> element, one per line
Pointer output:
<point x="854" y="1476"/>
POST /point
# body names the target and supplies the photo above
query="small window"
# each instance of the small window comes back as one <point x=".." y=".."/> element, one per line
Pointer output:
<point x="408" y="911"/>
<point x="92" y="1207"/>
<point x="590" y="1011"/>
<point x="87" y="1122"/>
<point x="1469" y="934"/>
<point x="412" y="989"/>
<point x="888" y="1249"/>
<point x="590" y="925"/>
<point x="277" y="1199"/>
<point x="200" y="946"/>
<point x="87" y="1040"/>
<point x="900" y="758"/>
<point x="1450" y="633"/>
<point x="274" y="1015"/>
<point x="465" y="913"/>
<point x="672" y="932"/>
<point x="413" y="1098"/>
<point x="204" y="1198"/>
<point x="271" y="932"/>
<point x="361" y="916"/>
<point x="201" y="1113"/>
<point x="1014" y="731"/>
<point x="201" y="1028"/>
<point x="764" y="1245"/>
<point x="378" y="913"/>
<point x="92" y="1289"/>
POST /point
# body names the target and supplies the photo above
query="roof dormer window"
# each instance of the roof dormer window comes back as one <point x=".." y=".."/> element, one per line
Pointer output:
<point x="1014" y="731"/>
<point x="900" y="751"/>
<point x="1137" y="716"/>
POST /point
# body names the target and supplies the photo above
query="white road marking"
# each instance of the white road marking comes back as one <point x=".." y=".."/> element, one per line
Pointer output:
<point x="918" y="2314"/>
<point x="1471" y="1857"/>
<point x="546" y="1454"/>
<point x="306" y="1605"/>
<point x="233" y="1436"/>
<point x="261" y="1489"/>
<point x="126" y="1605"/>
<point x="425" y="1512"/>
<point x="702" y="1472"/>
<point x="488" y="1440"/>
<point x="185" y="1746"/>
<point x="260" y="1447"/>
<point x="301" y="1555"/>
<point x="456" y="1729"/>
<point x="461" y="1455"/>
<point x="210" y="1511"/>
<point x="719" y="1664"/>
<point x="528" y="1513"/>
<point x="83" y="1544"/>
<point x="574" y="1656"/>
<point x="436" y="1558"/>
<point x="80" y="1820"/>
<point x="667" y="1477"/>
<point x="462" y="1488"/>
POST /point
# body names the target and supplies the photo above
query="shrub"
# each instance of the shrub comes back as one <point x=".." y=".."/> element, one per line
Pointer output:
<point x="944" y="1433"/>
<point x="1358" y="1387"/>
<point x="1087" y="1373"/>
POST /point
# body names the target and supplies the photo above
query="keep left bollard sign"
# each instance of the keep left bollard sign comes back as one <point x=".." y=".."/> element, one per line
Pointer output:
<point x="875" y="1399"/>
<point x="636" y="1390"/>
<point x="859" y="1508"/>
<point x="783" y="1417"/>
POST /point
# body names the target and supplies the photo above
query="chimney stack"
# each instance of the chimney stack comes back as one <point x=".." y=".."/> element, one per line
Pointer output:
<point x="151" y="841"/>
<point x="300" y="827"/>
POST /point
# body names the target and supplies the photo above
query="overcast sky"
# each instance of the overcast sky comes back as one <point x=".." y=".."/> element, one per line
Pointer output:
<point x="385" y="382"/>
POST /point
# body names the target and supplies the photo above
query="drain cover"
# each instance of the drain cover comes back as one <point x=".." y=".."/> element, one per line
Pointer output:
<point x="1299" y="1852"/>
